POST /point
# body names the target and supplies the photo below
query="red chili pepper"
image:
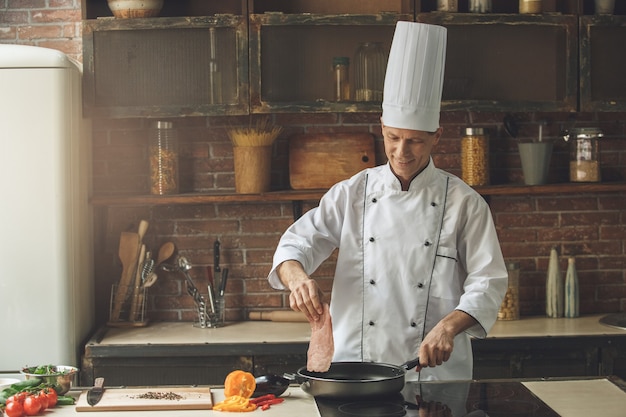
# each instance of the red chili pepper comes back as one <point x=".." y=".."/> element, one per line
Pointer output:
<point x="265" y="407"/>
<point x="270" y="402"/>
<point x="262" y="398"/>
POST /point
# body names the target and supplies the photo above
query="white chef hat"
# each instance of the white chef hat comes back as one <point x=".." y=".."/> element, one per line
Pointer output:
<point x="414" y="77"/>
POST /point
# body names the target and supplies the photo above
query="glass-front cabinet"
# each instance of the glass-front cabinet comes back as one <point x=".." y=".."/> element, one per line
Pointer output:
<point x="236" y="57"/>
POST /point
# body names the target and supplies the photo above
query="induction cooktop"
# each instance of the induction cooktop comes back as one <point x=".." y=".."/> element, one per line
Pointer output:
<point x="444" y="399"/>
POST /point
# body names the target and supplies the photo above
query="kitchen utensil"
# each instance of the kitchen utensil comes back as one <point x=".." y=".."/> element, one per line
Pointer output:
<point x="216" y="263"/>
<point x="95" y="394"/>
<point x="271" y="384"/>
<point x="134" y="306"/>
<point x="278" y="315"/>
<point x="150" y="280"/>
<point x="130" y="246"/>
<point x="147" y="270"/>
<point x="222" y="288"/>
<point x="150" y="399"/>
<point x="355" y="379"/>
<point x="128" y="250"/>
<point x="165" y="252"/>
<point x="321" y="160"/>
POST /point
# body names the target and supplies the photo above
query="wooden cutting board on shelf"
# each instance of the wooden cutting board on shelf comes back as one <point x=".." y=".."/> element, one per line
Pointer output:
<point x="129" y="399"/>
<point x="319" y="160"/>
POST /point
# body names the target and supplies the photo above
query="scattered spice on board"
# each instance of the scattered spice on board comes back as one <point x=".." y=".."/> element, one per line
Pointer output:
<point x="159" y="396"/>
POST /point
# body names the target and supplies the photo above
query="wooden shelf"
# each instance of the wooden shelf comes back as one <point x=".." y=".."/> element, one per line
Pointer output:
<point x="314" y="195"/>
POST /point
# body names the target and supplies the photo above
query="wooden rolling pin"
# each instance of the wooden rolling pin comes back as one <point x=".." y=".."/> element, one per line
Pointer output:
<point x="278" y="315"/>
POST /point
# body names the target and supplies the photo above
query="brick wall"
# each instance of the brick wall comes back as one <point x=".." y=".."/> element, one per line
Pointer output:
<point x="52" y="24"/>
<point x="590" y="226"/>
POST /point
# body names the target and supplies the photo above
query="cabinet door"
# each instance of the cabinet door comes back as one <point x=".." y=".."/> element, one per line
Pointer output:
<point x="291" y="59"/>
<point x="165" y="67"/>
<point x="509" y="62"/>
<point x="602" y="63"/>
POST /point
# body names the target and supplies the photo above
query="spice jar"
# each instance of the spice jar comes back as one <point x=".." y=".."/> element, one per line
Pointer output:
<point x="369" y="72"/>
<point x="480" y="6"/>
<point x="163" y="155"/>
<point x="509" y="309"/>
<point x="447" y="5"/>
<point x="475" y="156"/>
<point x="584" y="165"/>
<point x="341" y="78"/>
<point x="530" y="6"/>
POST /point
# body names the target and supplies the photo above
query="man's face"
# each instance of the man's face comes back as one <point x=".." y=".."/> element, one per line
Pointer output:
<point x="408" y="151"/>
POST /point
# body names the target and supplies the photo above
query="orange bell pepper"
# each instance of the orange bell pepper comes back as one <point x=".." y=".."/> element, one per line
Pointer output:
<point x="240" y="383"/>
<point x="235" y="403"/>
<point x="238" y="388"/>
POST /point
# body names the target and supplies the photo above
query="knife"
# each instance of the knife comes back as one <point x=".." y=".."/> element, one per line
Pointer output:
<point x="216" y="264"/>
<point x="95" y="394"/>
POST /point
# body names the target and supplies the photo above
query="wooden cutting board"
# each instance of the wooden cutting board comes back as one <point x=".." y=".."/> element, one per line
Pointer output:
<point x="128" y="399"/>
<point x="319" y="160"/>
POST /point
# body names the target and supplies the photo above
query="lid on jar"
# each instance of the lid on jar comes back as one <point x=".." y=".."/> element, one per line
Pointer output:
<point x="341" y="60"/>
<point x="162" y="124"/>
<point x="586" y="132"/>
<point x="473" y="131"/>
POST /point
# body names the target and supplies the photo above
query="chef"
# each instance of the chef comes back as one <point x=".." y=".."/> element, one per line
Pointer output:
<point x="419" y="268"/>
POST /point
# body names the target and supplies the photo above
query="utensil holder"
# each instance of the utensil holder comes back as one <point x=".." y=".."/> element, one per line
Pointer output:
<point x="140" y="319"/>
<point x="208" y="319"/>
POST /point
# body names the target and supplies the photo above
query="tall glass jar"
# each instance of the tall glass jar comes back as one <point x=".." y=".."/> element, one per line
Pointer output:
<point x="163" y="155"/>
<point x="509" y="309"/>
<point x="475" y="156"/>
<point x="341" y="66"/>
<point x="584" y="165"/>
<point x="369" y="72"/>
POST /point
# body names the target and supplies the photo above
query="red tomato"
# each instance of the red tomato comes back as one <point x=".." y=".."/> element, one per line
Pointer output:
<point x="52" y="397"/>
<point x="18" y="398"/>
<point x="43" y="398"/>
<point x="32" y="405"/>
<point x="14" y="409"/>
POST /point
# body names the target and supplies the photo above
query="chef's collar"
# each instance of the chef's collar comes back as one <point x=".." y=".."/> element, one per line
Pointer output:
<point x="420" y="181"/>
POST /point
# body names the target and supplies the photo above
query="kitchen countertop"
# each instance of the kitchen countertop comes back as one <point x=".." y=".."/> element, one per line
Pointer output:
<point x="570" y="398"/>
<point x="270" y="333"/>
<point x="297" y="403"/>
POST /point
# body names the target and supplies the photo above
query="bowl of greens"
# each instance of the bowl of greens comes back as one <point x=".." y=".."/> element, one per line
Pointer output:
<point x="62" y="377"/>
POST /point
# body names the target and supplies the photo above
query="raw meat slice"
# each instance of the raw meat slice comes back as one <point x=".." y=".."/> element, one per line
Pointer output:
<point x="321" y="345"/>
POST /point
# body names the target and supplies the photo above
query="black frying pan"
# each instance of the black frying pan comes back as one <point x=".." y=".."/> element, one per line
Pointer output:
<point x="355" y="379"/>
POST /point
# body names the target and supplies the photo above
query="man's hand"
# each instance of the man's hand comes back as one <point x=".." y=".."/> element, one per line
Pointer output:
<point x="306" y="296"/>
<point x="438" y="344"/>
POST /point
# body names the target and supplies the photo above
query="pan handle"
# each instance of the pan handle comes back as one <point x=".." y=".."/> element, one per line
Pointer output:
<point x="410" y="364"/>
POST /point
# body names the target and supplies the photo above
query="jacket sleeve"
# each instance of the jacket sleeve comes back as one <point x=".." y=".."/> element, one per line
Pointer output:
<point x="487" y="277"/>
<point x="313" y="237"/>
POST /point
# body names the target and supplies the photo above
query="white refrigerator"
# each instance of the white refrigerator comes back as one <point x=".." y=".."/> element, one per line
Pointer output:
<point x="46" y="250"/>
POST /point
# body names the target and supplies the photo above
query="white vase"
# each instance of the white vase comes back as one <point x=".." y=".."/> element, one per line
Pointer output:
<point x="571" y="289"/>
<point x="128" y="9"/>
<point x="554" y="287"/>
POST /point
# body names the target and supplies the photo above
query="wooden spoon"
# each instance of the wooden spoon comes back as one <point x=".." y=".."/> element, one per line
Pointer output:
<point x="165" y="252"/>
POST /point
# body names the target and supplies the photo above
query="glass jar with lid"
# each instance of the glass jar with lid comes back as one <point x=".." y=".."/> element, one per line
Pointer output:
<point x="509" y="309"/>
<point x="369" y="72"/>
<point x="341" y="85"/>
<point x="163" y="155"/>
<point x="584" y="150"/>
<point x="475" y="156"/>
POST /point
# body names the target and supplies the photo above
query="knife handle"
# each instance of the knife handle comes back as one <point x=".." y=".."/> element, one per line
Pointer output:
<point x="98" y="382"/>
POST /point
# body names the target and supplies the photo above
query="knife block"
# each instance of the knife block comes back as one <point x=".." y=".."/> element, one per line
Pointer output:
<point x="124" y="317"/>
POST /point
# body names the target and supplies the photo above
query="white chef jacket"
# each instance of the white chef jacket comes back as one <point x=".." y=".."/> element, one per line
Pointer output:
<point x="406" y="259"/>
